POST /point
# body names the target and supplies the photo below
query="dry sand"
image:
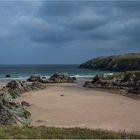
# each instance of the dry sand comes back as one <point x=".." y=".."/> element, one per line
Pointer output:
<point x="80" y="107"/>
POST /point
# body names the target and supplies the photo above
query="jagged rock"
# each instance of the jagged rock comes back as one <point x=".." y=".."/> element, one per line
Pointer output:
<point x="37" y="79"/>
<point x="18" y="87"/>
<point x="24" y="103"/>
<point x="129" y="81"/>
<point x="61" y="78"/>
<point x="11" y="112"/>
<point x="37" y="85"/>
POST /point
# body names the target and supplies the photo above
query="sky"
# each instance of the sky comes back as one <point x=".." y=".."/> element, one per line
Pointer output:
<point x="67" y="32"/>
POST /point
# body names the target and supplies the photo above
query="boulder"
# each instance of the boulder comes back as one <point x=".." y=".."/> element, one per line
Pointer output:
<point x="37" y="86"/>
<point x="18" y="86"/>
<point x="24" y="103"/>
<point x="61" y="78"/>
<point x="37" y="79"/>
<point x="129" y="81"/>
<point x="7" y="76"/>
<point x="11" y="112"/>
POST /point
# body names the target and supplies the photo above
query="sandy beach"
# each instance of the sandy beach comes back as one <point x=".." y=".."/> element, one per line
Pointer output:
<point x="71" y="105"/>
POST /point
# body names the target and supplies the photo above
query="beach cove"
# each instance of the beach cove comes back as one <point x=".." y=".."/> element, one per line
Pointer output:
<point x="71" y="105"/>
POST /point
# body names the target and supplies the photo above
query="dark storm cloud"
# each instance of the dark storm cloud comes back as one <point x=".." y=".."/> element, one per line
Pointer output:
<point x="82" y="28"/>
<point x="88" y="20"/>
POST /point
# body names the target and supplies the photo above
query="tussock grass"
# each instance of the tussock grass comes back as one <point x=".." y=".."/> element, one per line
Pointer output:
<point x="42" y="132"/>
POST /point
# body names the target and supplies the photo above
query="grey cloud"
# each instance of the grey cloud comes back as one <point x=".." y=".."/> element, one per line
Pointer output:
<point x="71" y="22"/>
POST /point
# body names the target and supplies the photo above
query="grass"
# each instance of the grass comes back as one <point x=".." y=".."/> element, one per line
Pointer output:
<point x="132" y="72"/>
<point x="42" y="132"/>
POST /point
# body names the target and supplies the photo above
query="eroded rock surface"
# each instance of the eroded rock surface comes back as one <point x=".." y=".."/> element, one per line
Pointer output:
<point x="11" y="111"/>
<point x="129" y="82"/>
<point x="61" y="78"/>
<point x="35" y="78"/>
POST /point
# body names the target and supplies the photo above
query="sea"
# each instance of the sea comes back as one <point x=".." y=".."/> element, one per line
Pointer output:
<point x="25" y="71"/>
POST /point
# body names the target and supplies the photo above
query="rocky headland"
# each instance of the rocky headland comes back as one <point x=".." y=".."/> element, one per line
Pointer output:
<point x="124" y="62"/>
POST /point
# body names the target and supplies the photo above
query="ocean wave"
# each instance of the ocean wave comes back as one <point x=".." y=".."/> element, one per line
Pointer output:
<point x="82" y="76"/>
<point x="48" y="76"/>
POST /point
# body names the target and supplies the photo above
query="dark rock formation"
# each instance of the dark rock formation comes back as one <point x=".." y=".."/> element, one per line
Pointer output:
<point x="18" y="86"/>
<point x="12" y="112"/>
<point x="128" y="81"/>
<point x="37" y="79"/>
<point x="7" y="76"/>
<point x="24" y="103"/>
<point x="115" y="63"/>
<point x="37" y="86"/>
<point x="61" y="78"/>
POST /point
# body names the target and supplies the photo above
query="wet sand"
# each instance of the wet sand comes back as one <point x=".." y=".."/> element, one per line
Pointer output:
<point x="71" y="105"/>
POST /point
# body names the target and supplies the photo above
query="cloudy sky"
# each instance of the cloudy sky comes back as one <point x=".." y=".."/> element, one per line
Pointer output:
<point x="67" y="32"/>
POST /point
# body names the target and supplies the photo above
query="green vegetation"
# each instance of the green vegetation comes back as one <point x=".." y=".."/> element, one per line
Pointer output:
<point x="124" y="62"/>
<point x="30" y="132"/>
<point x="12" y="93"/>
<point x="132" y="72"/>
<point x="121" y="74"/>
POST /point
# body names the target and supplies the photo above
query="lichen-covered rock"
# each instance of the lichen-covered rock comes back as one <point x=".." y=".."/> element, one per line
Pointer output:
<point x="11" y="112"/>
<point x="61" y="78"/>
<point x="35" y="78"/>
<point x="37" y="86"/>
<point x="128" y="81"/>
<point x="18" y="86"/>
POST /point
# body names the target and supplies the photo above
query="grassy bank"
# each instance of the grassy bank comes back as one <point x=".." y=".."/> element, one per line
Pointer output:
<point x="10" y="132"/>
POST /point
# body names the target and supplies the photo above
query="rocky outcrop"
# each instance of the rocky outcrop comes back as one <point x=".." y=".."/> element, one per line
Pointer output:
<point x="7" y="76"/>
<point x="19" y="87"/>
<point x="124" y="62"/>
<point x="35" y="78"/>
<point x="128" y="81"/>
<point x="11" y="111"/>
<point x="61" y="78"/>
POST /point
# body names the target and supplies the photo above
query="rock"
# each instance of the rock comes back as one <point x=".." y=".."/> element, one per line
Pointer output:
<point x="128" y="81"/>
<point x="7" y="76"/>
<point x="61" y="95"/>
<point x="37" y="79"/>
<point x="88" y="84"/>
<point x="11" y="112"/>
<point x="61" y="78"/>
<point x="37" y="85"/>
<point x="18" y="86"/>
<point x="24" y="103"/>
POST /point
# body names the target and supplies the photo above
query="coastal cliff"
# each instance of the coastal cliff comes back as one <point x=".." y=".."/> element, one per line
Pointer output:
<point x="130" y="61"/>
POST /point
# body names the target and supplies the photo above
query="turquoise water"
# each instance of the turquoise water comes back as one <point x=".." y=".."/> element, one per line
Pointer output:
<point x="24" y="71"/>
